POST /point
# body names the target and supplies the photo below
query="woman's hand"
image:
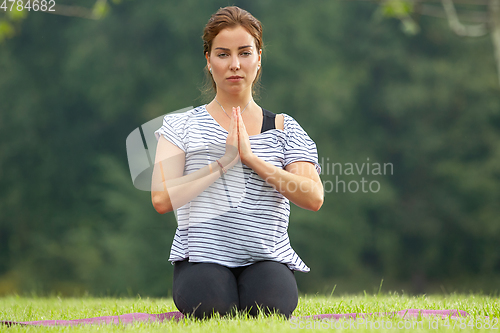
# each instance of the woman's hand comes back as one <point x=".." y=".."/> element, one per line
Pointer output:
<point x="232" y="140"/>
<point x="244" y="148"/>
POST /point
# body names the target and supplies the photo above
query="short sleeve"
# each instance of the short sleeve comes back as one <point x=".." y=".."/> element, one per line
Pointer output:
<point x="298" y="145"/>
<point x="170" y="130"/>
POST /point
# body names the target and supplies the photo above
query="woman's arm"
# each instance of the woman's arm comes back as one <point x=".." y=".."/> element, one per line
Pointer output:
<point x="299" y="182"/>
<point x="170" y="189"/>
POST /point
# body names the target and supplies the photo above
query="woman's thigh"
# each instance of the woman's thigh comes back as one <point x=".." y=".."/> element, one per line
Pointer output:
<point x="200" y="289"/>
<point x="269" y="285"/>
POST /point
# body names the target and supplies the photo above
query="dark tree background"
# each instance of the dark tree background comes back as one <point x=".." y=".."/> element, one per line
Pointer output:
<point x="72" y="89"/>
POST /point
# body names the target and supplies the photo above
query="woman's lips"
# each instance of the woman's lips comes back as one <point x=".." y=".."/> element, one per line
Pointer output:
<point x="234" y="78"/>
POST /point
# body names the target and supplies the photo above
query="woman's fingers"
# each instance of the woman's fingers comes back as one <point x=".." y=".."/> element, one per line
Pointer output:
<point x="232" y="139"/>
<point x="244" y="147"/>
<point x="233" y="123"/>
<point x="235" y="115"/>
<point x="241" y="124"/>
<point x="234" y="119"/>
<point x="233" y="129"/>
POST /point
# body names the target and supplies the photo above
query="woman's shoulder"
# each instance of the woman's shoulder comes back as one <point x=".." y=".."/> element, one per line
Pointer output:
<point x="292" y="128"/>
<point x="185" y="112"/>
<point x="283" y="121"/>
<point x="180" y="117"/>
<point x="289" y="122"/>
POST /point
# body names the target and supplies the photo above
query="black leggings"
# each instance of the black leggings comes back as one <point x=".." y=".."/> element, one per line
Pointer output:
<point x="202" y="289"/>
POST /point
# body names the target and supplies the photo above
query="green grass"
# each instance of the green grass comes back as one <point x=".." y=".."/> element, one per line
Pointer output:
<point x="18" y="308"/>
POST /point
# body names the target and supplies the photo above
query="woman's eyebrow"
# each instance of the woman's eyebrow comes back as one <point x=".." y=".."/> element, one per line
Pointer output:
<point x="239" y="48"/>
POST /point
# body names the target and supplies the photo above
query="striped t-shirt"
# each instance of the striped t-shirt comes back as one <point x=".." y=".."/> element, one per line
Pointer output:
<point x="240" y="218"/>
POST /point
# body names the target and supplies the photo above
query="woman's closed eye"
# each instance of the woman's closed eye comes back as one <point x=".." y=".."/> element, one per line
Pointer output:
<point x="246" y="54"/>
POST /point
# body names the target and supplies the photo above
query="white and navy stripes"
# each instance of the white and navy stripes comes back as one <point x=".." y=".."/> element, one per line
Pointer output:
<point x="240" y="218"/>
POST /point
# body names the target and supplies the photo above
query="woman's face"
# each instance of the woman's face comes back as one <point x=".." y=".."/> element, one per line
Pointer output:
<point x="234" y="59"/>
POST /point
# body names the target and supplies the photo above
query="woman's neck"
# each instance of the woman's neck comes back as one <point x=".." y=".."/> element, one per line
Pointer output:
<point x="229" y="101"/>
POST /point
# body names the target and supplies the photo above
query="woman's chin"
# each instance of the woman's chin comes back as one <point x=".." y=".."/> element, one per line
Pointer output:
<point x="235" y="89"/>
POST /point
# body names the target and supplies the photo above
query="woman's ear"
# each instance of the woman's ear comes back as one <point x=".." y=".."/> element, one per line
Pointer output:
<point x="208" y="59"/>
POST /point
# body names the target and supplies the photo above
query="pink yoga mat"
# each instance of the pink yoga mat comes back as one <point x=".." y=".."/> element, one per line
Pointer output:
<point x="146" y="317"/>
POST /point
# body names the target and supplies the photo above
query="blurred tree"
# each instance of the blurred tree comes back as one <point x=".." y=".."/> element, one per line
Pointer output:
<point x="13" y="13"/>
<point x="71" y="90"/>
<point x="486" y="12"/>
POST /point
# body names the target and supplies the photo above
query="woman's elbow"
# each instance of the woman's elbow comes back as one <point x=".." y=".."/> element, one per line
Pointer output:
<point x="317" y="200"/>
<point x="316" y="204"/>
<point x="161" y="205"/>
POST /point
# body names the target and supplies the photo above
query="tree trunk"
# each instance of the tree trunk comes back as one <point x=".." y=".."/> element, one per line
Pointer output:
<point x="495" y="31"/>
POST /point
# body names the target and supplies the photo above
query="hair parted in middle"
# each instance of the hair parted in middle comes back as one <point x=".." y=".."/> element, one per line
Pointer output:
<point x="231" y="17"/>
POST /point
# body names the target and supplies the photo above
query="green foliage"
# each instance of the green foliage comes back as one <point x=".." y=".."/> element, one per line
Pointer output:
<point x="397" y="8"/>
<point x="101" y="9"/>
<point x="6" y="30"/>
<point x="402" y="10"/>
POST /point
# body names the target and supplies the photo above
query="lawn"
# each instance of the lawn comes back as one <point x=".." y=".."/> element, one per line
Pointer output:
<point x="18" y="308"/>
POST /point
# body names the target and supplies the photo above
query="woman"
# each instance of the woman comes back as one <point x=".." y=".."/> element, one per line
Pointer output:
<point x="230" y="168"/>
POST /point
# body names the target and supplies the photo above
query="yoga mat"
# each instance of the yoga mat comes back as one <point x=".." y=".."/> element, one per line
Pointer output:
<point x="404" y="314"/>
<point x="121" y="319"/>
<point x="146" y="317"/>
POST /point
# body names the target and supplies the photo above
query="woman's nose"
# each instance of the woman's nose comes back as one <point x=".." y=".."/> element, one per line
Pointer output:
<point x="235" y="63"/>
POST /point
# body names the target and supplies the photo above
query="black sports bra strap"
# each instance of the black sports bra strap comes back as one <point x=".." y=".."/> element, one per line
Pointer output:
<point x="268" y="120"/>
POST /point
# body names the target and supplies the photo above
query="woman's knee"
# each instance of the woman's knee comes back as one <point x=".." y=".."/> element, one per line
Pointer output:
<point x="202" y="289"/>
<point x="268" y="286"/>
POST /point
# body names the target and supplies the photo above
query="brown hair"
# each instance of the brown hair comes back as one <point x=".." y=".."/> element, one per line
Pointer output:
<point x="230" y="17"/>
